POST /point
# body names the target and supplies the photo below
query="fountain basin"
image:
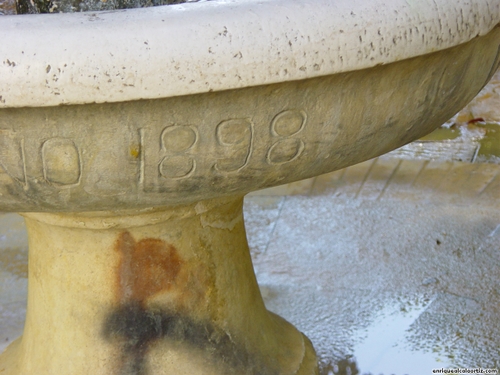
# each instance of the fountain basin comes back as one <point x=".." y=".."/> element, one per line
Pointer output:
<point x="130" y="143"/>
<point x="171" y="151"/>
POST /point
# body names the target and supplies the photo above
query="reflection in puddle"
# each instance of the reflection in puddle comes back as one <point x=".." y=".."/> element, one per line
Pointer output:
<point x="384" y="348"/>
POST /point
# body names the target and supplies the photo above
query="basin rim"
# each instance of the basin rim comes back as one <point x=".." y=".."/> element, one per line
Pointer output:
<point x="158" y="52"/>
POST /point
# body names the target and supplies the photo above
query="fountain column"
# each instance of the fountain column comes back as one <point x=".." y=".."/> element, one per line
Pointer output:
<point x="165" y="291"/>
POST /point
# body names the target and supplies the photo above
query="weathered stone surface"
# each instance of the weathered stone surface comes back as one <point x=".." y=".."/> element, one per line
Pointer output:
<point x="168" y="291"/>
<point x="193" y="48"/>
<point x="183" y="149"/>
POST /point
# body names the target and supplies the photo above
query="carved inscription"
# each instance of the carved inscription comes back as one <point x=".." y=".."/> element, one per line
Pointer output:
<point x="165" y="155"/>
<point x="12" y="158"/>
<point x="234" y="138"/>
<point x="176" y="142"/>
<point x="56" y="159"/>
<point x="285" y="127"/>
<point x="176" y="151"/>
<point x="61" y="161"/>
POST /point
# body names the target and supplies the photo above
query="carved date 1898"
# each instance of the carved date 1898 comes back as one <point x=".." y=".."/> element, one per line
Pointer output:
<point x="174" y="153"/>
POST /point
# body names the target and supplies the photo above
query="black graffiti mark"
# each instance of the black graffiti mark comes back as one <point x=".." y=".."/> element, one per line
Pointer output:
<point x="136" y="328"/>
<point x="151" y="266"/>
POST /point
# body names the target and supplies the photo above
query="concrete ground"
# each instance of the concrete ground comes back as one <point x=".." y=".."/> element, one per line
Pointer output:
<point x="391" y="266"/>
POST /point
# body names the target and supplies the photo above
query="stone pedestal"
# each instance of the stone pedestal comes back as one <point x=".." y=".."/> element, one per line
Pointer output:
<point x="168" y="291"/>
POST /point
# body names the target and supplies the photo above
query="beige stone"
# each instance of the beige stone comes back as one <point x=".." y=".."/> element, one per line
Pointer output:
<point x="132" y="190"/>
<point x="102" y="57"/>
<point x="175" y="150"/>
<point x="162" y="291"/>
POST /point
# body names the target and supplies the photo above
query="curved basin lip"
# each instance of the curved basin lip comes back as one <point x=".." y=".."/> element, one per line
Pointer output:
<point x="149" y="53"/>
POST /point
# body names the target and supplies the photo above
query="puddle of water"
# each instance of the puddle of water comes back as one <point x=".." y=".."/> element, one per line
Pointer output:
<point x="490" y="144"/>
<point x="384" y="346"/>
<point x="442" y="134"/>
<point x="481" y="136"/>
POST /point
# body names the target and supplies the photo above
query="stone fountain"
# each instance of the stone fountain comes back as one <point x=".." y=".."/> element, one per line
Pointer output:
<point x="129" y="138"/>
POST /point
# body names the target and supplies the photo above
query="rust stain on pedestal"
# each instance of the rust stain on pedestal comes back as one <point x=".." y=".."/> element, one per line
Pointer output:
<point x="147" y="267"/>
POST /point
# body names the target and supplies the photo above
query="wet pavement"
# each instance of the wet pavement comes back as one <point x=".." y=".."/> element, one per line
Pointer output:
<point x="391" y="266"/>
<point x="386" y="278"/>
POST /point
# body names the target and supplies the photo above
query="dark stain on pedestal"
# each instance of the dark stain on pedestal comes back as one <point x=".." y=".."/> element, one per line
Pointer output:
<point x="147" y="268"/>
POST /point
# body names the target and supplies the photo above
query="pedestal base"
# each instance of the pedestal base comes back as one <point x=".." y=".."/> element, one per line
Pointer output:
<point x="168" y="291"/>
